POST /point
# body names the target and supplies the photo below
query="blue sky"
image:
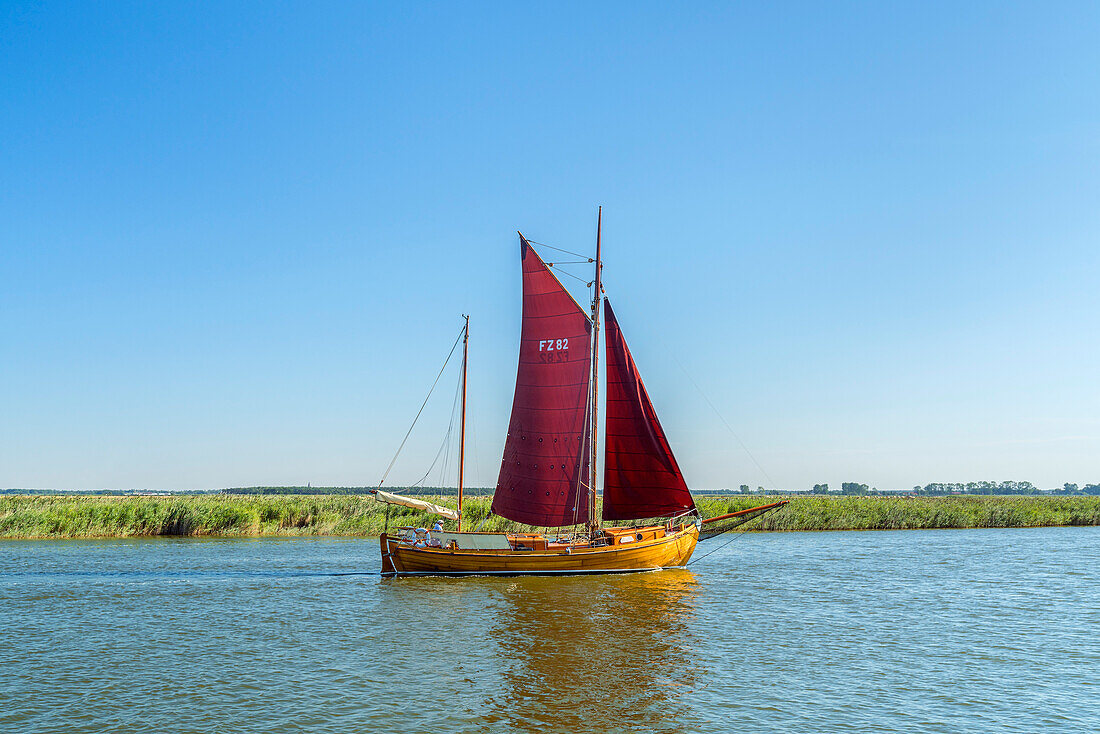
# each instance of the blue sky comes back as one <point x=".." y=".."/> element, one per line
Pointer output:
<point x="236" y="240"/>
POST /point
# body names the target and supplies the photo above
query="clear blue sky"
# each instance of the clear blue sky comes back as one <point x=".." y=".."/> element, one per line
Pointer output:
<point x="235" y="241"/>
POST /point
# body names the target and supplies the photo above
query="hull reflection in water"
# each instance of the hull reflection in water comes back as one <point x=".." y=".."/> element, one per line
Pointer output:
<point x="596" y="654"/>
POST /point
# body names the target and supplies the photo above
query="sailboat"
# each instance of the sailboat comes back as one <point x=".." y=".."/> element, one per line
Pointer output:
<point x="547" y="477"/>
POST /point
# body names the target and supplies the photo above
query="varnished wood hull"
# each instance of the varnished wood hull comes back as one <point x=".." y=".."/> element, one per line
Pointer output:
<point x="671" y="551"/>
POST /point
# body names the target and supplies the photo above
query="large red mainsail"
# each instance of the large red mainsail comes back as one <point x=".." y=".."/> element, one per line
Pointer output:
<point x="641" y="477"/>
<point x="545" y="455"/>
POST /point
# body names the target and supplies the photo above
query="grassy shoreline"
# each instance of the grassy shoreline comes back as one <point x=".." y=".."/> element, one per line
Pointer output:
<point x="82" y="516"/>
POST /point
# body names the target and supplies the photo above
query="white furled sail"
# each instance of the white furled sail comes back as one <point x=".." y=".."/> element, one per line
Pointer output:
<point x="396" y="499"/>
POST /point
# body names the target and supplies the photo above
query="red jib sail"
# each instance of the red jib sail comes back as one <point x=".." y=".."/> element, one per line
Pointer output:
<point x="544" y="473"/>
<point x="641" y="477"/>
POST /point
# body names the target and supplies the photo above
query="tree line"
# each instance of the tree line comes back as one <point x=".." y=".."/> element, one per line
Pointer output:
<point x="939" y="489"/>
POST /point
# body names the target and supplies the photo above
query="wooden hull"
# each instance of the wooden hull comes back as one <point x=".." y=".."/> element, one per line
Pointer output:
<point x="671" y="551"/>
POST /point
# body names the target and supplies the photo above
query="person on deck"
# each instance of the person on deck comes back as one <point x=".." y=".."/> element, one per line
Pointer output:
<point x="436" y="528"/>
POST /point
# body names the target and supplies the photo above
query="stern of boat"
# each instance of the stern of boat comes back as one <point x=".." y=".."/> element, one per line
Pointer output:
<point x="388" y="568"/>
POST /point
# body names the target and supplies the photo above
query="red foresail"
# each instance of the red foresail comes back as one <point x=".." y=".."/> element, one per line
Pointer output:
<point x="544" y="474"/>
<point x="641" y="477"/>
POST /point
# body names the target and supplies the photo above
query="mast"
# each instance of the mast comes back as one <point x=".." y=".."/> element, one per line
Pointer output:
<point x="594" y="519"/>
<point x="462" y="429"/>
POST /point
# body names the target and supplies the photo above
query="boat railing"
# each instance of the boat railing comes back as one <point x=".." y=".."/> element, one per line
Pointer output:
<point x="679" y="519"/>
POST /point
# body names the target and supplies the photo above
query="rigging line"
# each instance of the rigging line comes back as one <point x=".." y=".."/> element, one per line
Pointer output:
<point x="451" y="438"/>
<point x="567" y="252"/>
<point x="728" y="427"/>
<point x="473" y="440"/>
<point x="736" y="534"/>
<point x="408" y="432"/>
<point x="445" y="444"/>
<point x="582" y="481"/>
<point x="574" y="277"/>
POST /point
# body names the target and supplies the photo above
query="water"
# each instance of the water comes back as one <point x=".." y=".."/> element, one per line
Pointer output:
<point x="915" y="631"/>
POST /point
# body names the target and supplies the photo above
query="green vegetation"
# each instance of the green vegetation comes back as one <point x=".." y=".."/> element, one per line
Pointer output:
<point x="96" y="516"/>
<point x="853" y="512"/>
<point x="83" y="516"/>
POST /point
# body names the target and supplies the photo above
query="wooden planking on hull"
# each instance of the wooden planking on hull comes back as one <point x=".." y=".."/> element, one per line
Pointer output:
<point x="670" y="551"/>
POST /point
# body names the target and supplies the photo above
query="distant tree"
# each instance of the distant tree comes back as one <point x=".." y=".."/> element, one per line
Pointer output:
<point x="1070" y="488"/>
<point x="744" y="489"/>
<point x="821" y="489"/>
<point x="1091" y="489"/>
<point x="939" y="488"/>
<point x="853" y="488"/>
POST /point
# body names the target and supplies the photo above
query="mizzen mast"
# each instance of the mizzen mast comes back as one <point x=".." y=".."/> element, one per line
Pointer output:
<point x="462" y="429"/>
<point x="594" y="519"/>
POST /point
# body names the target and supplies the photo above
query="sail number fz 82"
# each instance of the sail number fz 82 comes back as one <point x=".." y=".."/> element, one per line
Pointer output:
<point x="554" y="350"/>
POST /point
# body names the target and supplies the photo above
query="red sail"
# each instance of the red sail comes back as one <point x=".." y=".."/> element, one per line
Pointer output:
<point x="641" y="477"/>
<point x="544" y="474"/>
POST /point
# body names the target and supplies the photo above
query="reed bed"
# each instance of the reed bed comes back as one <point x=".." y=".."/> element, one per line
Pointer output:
<point x="82" y="516"/>
<point x="914" y="513"/>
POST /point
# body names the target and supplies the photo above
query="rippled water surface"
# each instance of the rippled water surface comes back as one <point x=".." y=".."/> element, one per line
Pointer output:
<point x="915" y="631"/>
